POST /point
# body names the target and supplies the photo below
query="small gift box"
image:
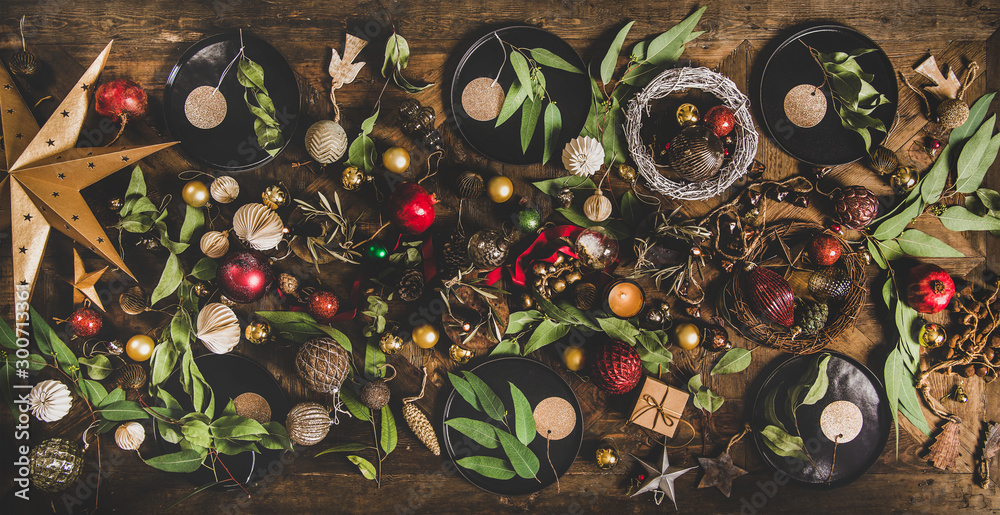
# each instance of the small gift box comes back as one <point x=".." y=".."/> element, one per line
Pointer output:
<point x="659" y="407"/>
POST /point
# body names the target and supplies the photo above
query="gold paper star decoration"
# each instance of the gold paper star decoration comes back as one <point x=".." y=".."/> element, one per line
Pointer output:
<point x="84" y="282"/>
<point x="42" y="174"/>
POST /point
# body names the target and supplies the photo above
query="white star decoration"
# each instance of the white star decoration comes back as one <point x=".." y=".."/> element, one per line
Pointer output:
<point x="661" y="481"/>
<point x="41" y="174"/>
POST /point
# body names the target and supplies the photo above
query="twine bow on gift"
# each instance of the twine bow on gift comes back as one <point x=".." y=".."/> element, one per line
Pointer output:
<point x="343" y="71"/>
<point x="668" y="416"/>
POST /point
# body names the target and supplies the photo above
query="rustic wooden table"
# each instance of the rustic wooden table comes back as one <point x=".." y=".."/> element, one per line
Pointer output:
<point x="150" y="36"/>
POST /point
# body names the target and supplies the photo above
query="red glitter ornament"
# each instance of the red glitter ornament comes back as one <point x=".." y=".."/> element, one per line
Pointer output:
<point x="616" y="367"/>
<point x="824" y="250"/>
<point x="85" y="322"/>
<point x="323" y="305"/>
<point x="720" y="120"/>
<point x="245" y="275"/>
<point x="411" y="207"/>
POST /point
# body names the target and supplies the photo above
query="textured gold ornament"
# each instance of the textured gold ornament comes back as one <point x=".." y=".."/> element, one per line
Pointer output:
<point x="687" y="114"/>
<point x="904" y="179"/>
<point x="129" y="377"/>
<point x="42" y="174"/>
<point x="224" y="189"/>
<point x="460" y="355"/>
<point x="352" y="178"/>
<point x="606" y="456"/>
<point x="308" y="423"/>
<point x="253" y="406"/>
<point x="214" y="244"/>
<point x="322" y="364"/>
<point x="275" y="196"/>
<point x="418" y="421"/>
<point x="326" y="141"/>
<point x="390" y="343"/>
<point x="133" y="301"/>
<point x="470" y="185"/>
<point x="597" y="208"/>
<point x="626" y="172"/>
<point x="882" y="160"/>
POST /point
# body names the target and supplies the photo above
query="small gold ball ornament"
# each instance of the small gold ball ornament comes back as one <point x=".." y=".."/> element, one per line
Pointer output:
<point x="460" y="355"/>
<point x="195" y="193"/>
<point x="139" y="347"/>
<point x="390" y="343"/>
<point x="23" y="63"/>
<point x="425" y="336"/>
<point x="574" y="358"/>
<point x="275" y="196"/>
<point x="687" y="336"/>
<point x="687" y="114"/>
<point x="133" y="301"/>
<point x="396" y="160"/>
<point x="626" y="172"/>
<point x="606" y="456"/>
<point x="500" y="189"/>
<point x="903" y="179"/>
<point x="258" y="332"/>
<point x="932" y="335"/>
<point x="352" y="178"/>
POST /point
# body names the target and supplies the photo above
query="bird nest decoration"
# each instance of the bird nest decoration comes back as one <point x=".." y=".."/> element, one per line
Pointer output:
<point x="680" y="80"/>
<point x="826" y="298"/>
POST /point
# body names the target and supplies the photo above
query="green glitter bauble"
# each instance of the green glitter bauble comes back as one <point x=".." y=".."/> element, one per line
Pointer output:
<point x="375" y="251"/>
<point x="528" y="220"/>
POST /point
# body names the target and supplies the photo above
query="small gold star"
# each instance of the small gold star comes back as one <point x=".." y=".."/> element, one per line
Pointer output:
<point x="83" y="282"/>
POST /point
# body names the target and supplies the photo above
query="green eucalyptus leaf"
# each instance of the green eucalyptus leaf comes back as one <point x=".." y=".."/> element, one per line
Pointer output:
<point x="350" y="399"/>
<point x="531" y="110"/>
<point x="552" y="187"/>
<point x="619" y="329"/>
<point x="344" y="447"/>
<point x="546" y="332"/>
<point x="465" y="390"/>
<point x="178" y="462"/>
<point x="892" y="227"/>
<point x="977" y="113"/>
<point x="122" y="411"/>
<point x="205" y="269"/>
<point x="734" y="360"/>
<point x="976" y="157"/>
<point x="523" y="73"/>
<point x="516" y="96"/>
<point x="770" y="409"/>
<point x="552" y="123"/>
<point x="50" y="344"/>
<point x="488" y="400"/>
<point x="896" y="376"/>
<point x="919" y="244"/>
<point x="989" y="198"/>
<point x="93" y="391"/>
<point x="632" y="209"/>
<point x="524" y="418"/>
<point x="958" y="218"/>
<point x="520" y="320"/>
<point x="784" y="444"/>
<point x="545" y="57"/>
<point x="524" y="462"/>
<point x="97" y="367"/>
<point x="388" y="438"/>
<point x="488" y="466"/>
<point x="506" y="348"/>
<point x="365" y="466"/>
<point x="665" y="49"/>
<point x="480" y="432"/>
<point x="170" y="279"/>
<point x="194" y="220"/>
<point x="821" y="383"/>
<point x="610" y="60"/>
<point x="932" y="185"/>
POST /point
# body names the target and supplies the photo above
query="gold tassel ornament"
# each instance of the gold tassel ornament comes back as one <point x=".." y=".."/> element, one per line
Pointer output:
<point x="418" y="421"/>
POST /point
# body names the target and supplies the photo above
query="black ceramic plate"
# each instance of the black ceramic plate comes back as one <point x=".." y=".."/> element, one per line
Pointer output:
<point x="570" y="91"/>
<point x="828" y="143"/>
<point x="232" y="145"/>
<point x="230" y="375"/>
<point x="849" y="381"/>
<point x="537" y="382"/>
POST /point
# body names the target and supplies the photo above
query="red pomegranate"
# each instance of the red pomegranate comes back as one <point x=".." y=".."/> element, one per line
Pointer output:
<point x="824" y="250"/>
<point x="85" y="322"/>
<point x="930" y="288"/>
<point x="323" y="305"/>
<point x="121" y="100"/>
<point x="411" y="207"/>
<point x="720" y="120"/>
<point x="245" y="275"/>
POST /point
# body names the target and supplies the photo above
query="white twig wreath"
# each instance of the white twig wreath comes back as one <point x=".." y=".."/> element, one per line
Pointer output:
<point x="678" y="80"/>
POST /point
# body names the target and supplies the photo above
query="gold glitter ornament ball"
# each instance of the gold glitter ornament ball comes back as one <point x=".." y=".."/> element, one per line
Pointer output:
<point x="308" y="423"/>
<point x="195" y="193"/>
<point x="252" y="406"/>
<point x="396" y="160"/>
<point x="687" y="114"/>
<point x="258" y="332"/>
<point x="482" y="99"/>
<point x="326" y="141"/>
<point x="390" y="343"/>
<point x="499" y="188"/>
<point x="205" y="107"/>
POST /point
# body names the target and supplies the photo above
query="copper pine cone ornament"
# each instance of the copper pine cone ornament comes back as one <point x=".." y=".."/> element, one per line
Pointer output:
<point x="855" y="206"/>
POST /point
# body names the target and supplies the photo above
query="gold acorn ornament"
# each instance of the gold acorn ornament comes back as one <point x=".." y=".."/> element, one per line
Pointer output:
<point x="606" y="455"/>
<point x="418" y="421"/>
<point x="308" y="423"/>
<point x="214" y="244"/>
<point x="129" y="436"/>
<point x="275" y="196"/>
<point x="460" y="355"/>
<point x="597" y="208"/>
<point x="626" y="172"/>
<point x="931" y="335"/>
<point x="326" y="141"/>
<point x="687" y="115"/>
<point x="224" y="189"/>
<point x="353" y="178"/>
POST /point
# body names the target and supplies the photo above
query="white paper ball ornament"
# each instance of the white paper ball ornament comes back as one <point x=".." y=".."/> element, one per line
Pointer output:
<point x="259" y="226"/>
<point x="225" y="189"/>
<point x="129" y="436"/>
<point x="215" y="244"/>
<point x="50" y="401"/>
<point x="583" y="156"/>
<point x="218" y="328"/>
<point x="326" y="141"/>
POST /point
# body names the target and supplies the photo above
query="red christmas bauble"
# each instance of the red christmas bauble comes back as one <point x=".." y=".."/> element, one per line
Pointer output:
<point x="720" y="120"/>
<point x="245" y="275"/>
<point x="323" y="306"/>
<point x="772" y="296"/>
<point x="411" y="207"/>
<point x="617" y="367"/>
<point x="824" y="250"/>
<point x="930" y="288"/>
<point x="120" y="100"/>
<point x="85" y="322"/>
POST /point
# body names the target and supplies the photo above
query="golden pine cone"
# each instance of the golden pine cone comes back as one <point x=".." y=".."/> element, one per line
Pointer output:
<point x="421" y="427"/>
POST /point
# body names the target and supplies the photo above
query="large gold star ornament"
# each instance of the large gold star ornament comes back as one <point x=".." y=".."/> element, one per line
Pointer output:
<point x="84" y="282"/>
<point x="42" y="175"/>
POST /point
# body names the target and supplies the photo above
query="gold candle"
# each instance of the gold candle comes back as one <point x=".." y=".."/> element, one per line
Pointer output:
<point x="625" y="298"/>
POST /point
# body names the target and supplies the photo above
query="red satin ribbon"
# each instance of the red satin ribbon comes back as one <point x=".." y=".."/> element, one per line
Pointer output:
<point x="544" y="254"/>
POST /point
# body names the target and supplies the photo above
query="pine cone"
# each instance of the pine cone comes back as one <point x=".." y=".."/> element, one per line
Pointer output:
<point x="454" y="255"/>
<point x="421" y="427"/>
<point x="288" y="284"/>
<point x="810" y="317"/>
<point x="411" y="285"/>
<point x="829" y="283"/>
<point x="375" y="395"/>
<point x="855" y="206"/>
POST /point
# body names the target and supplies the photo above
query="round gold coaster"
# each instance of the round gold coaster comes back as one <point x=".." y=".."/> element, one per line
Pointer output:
<point x="205" y="107"/>
<point x="482" y="99"/>
<point x="805" y="105"/>
<point x="555" y="418"/>
<point x="841" y="421"/>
